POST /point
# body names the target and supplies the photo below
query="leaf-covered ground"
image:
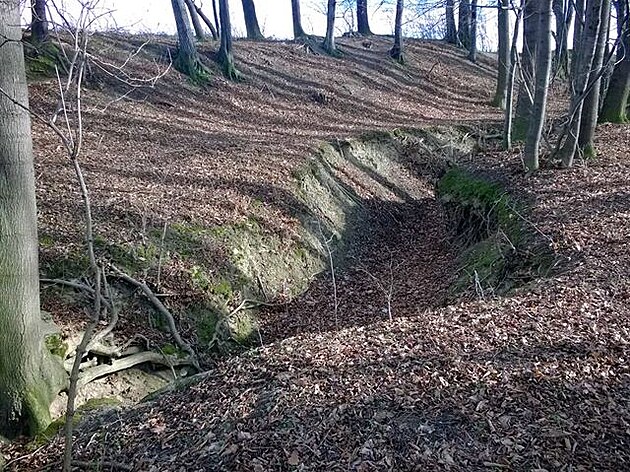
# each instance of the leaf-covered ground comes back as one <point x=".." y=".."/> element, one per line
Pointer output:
<point x="537" y="380"/>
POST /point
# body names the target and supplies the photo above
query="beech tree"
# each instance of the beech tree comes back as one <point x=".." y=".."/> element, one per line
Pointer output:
<point x="251" y="20"/>
<point x="187" y="60"/>
<point x="397" y="51"/>
<point x="563" y="12"/>
<point x="590" y="108"/>
<point x="614" y="109"/>
<point x="329" y="40"/>
<point x="194" y="16"/>
<point x="30" y="377"/>
<point x="363" y="22"/>
<point x="39" y="22"/>
<point x="206" y="20"/>
<point x="226" y="58"/>
<point x="472" y="49"/>
<point x="525" y="98"/>
<point x="298" y="31"/>
<point x="580" y="79"/>
<point x="451" y="28"/>
<point x="504" y="52"/>
<point x="463" y="30"/>
<point x="543" y="72"/>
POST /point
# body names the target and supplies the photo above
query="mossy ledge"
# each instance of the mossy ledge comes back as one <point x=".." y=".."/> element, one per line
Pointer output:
<point x="499" y="252"/>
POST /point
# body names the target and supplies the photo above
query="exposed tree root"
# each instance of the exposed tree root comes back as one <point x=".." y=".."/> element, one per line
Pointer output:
<point x="129" y="362"/>
<point x="163" y="311"/>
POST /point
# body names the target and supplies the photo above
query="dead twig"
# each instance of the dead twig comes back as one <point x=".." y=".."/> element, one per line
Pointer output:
<point x="162" y="310"/>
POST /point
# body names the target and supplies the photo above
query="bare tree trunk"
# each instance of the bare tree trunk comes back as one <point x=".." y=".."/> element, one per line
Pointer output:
<point x="207" y="21"/>
<point x="579" y="81"/>
<point x="580" y="7"/>
<point x="525" y="99"/>
<point x="397" y="51"/>
<point x="543" y="72"/>
<point x="251" y="21"/>
<point x="187" y="60"/>
<point x="464" y="24"/>
<point x="194" y="16"/>
<point x="504" y="53"/>
<point x="472" y="50"/>
<point x="298" y="31"/>
<point x="563" y="12"/>
<point x="363" y="22"/>
<point x="329" y="41"/>
<point x="451" y="28"/>
<point x="225" y="51"/>
<point x="215" y="12"/>
<point x="615" y="105"/>
<point x="509" y="103"/>
<point x="30" y="377"/>
<point x="39" y="22"/>
<point x="590" y="108"/>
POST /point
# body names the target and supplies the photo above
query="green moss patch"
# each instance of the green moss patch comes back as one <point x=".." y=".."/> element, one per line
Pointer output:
<point x="499" y="252"/>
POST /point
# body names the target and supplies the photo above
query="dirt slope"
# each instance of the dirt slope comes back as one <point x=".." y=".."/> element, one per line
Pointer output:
<point x="225" y="153"/>
<point x="538" y="380"/>
<point x="535" y="381"/>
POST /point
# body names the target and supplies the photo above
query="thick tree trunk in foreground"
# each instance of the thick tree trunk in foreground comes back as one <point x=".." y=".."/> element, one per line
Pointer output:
<point x="363" y="22"/>
<point x="472" y="50"/>
<point x="296" y="14"/>
<point x="504" y="53"/>
<point x="187" y="60"/>
<point x="615" y="105"/>
<point x="226" y="59"/>
<point x="543" y="72"/>
<point x="39" y="22"/>
<point x="194" y="16"/>
<point x="251" y="21"/>
<point x="29" y="375"/>
<point x="526" y="90"/>
<point x="464" y="24"/>
<point x="397" y="51"/>
<point x="329" y="41"/>
<point x="451" y="28"/>
<point x="579" y="81"/>
<point x="590" y="109"/>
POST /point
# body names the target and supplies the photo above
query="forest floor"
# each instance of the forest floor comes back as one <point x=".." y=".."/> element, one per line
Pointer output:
<point x="535" y="380"/>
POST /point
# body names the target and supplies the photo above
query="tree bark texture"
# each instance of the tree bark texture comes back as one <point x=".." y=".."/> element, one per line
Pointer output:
<point x="329" y="41"/>
<point x="451" y="28"/>
<point x="194" y="16"/>
<point x="187" y="60"/>
<point x="472" y="50"/>
<point x="563" y="12"/>
<point x="590" y="109"/>
<point x="363" y="22"/>
<point x="251" y="21"/>
<point x="298" y="31"/>
<point x="526" y="91"/>
<point x="397" y="51"/>
<point x="543" y="72"/>
<point x="615" y="105"/>
<point x="504" y="53"/>
<point x="30" y="376"/>
<point x="213" y="29"/>
<point x="464" y="24"/>
<point x="579" y="81"/>
<point x="39" y="22"/>
<point x="225" y="51"/>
